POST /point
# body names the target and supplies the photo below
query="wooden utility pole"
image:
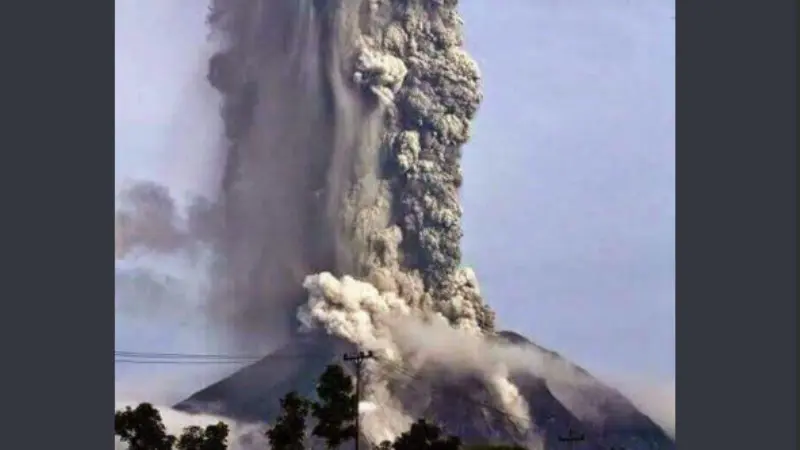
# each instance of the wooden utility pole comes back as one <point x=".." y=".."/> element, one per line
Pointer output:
<point x="358" y="359"/>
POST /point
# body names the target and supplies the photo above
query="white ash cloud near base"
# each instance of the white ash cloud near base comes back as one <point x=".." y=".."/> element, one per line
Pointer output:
<point x="410" y="338"/>
<point x="416" y="342"/>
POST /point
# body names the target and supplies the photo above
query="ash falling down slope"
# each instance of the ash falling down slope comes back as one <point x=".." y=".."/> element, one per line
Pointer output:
<point x="338" y="225"/>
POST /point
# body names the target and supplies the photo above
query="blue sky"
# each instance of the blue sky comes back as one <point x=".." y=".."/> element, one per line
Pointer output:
<point x="569" y="192"/>
<point x="570" y="176"/>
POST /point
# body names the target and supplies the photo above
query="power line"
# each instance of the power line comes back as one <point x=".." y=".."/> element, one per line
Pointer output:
<point x="383" y="408"/>
<point x="175" y="362"/>
<point x="155" y="355"/>
<point x="132" y="357"/>
<point x="151" y="358"/>
<point x="385" y="371"/>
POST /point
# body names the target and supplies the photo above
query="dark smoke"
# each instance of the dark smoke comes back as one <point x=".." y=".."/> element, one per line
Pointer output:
<point x="279" y="112"/>
<point x="148" y="221"/>
<point x="344" y="121"/>
<point x="148" y="218"/>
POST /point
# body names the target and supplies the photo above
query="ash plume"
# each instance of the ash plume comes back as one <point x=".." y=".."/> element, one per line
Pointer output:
<point x="344" y="121"/>
<point x="339" y="204"/>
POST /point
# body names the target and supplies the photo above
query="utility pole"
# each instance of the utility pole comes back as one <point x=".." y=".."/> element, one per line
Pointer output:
<point x="358" y="359"/>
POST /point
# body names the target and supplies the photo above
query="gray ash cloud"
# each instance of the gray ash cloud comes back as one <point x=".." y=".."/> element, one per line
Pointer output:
<point x="345" y="121"/>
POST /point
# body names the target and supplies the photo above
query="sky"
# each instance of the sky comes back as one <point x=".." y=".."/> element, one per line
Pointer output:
<point x="569" y="192"/>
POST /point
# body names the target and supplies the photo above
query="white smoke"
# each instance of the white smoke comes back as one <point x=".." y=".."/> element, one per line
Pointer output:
<point x="242" y="436"/>
<point x="162" y="390"/>
<point x="417" y="340"/>
<point x="385" y="323"/>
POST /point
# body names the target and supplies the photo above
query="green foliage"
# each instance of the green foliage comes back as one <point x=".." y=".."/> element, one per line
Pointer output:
<point x="142" y="428"/>
<point x="425" y="436"/>
<point x="289" y="431"/>
<point x="213" y="437"/>
<point x="336" y="410"/>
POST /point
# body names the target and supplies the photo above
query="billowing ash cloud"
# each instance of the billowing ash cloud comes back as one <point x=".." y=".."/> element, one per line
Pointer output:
<point x="410" y="338"/>
<point x="344" y="121"/>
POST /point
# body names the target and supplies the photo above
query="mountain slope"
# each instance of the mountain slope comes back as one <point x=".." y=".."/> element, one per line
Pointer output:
<point x="252" y="394"/>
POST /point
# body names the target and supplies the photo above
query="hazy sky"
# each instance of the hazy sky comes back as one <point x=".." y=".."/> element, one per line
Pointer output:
<point x="569" y="178"/>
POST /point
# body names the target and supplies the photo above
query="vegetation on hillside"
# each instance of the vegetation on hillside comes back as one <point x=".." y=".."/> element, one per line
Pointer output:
<point x="334" y="412"/>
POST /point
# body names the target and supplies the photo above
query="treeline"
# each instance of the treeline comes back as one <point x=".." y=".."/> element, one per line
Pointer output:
<point x="334" y="412"/>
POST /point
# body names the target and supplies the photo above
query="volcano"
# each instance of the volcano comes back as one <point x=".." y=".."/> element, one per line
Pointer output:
<point x="339" y="206"/>
<point x="252" y="395"/>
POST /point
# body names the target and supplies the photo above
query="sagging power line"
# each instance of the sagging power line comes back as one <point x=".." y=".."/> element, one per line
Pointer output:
<point x="167" y="362"/>
<point x="133" y="354"/>
<point x="132" y="357"/>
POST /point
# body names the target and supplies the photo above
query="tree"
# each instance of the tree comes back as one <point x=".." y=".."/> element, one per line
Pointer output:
<point x="142" y="428"/>
<point x="213" y="437"/>
<point x="336" y="409"/>
<point x="289" y="431"/>
<point x="425" y="436"/>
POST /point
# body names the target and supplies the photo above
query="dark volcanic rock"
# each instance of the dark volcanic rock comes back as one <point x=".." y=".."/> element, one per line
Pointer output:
<point x="252" y="394"/>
